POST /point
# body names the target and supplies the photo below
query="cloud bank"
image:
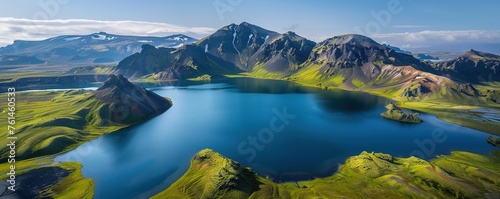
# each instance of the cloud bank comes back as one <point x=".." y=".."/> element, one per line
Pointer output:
<point x="433" y="38"/>
<point x="26" y="29"/>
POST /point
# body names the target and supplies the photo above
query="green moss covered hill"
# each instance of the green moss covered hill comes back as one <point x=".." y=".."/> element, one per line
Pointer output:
<point x="53" y="122"/>
<point x="368" y="175"/>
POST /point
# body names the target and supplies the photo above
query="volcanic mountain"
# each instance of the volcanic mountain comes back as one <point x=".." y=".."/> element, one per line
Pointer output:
<point x="126" y="103"/>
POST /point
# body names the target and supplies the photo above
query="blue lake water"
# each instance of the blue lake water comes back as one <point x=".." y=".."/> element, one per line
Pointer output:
<point x="281" y="130"/>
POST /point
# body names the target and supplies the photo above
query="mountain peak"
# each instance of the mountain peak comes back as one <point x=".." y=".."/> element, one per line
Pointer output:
<point x="245" y="24"/>
<point x="116" y="81"/>
<point x="101" y="33"/>
<point x="353" y="38"/>
<point x="476" y="55"/>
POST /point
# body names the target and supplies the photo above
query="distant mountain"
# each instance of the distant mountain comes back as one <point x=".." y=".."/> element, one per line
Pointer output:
<point x="86" y="49"/>
<point x="19" y="60"/>
<point x="423" y="56"/>
<point x="420" y="56"/>
<point x="473" y="66"/>
<point x="24" y="83"/>
<point x="397" y="49"/>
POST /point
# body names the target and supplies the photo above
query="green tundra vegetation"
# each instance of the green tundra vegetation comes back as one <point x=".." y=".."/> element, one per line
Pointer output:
<point x="51" y="122"/>
<point x="368" y="175"/>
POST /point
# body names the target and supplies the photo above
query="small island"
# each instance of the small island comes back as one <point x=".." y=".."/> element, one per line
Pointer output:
<point x="495" y="141"/>
<point x="395" y="113"/>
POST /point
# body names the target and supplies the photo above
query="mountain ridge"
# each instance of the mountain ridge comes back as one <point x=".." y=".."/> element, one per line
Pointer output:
<point x="88" y="49"/>
<point x="350" y="61"/>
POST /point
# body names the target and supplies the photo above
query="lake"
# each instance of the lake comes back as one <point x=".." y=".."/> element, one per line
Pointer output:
<point x="279" y="129"/>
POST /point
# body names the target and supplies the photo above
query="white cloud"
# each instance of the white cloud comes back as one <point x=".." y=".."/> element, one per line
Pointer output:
<point x="433" y="38"/>
<point x="26" y="29"/>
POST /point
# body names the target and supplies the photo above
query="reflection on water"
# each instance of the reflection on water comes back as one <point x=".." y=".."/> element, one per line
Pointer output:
<point x="348" y="102"/>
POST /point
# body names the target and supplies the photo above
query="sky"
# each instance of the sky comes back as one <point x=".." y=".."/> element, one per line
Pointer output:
<point x="404" y="23"/>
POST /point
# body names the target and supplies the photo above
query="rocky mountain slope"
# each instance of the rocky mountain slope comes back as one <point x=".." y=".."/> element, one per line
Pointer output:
<point x="230" y="50"/>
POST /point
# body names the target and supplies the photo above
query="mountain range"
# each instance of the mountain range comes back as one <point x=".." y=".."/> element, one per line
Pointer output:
<point x="96" y="48"/>
<point x="353" y="62"/>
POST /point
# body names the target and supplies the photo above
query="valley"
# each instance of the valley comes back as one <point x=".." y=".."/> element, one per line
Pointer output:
<point x="219" y="84"/>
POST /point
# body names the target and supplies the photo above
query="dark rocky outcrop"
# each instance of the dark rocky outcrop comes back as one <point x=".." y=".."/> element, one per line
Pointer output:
<point x="395" y="113"/>
<point x="495" y="141"/>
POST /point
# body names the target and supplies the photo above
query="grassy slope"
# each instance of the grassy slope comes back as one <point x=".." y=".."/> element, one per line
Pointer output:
<point x="52" y="122"/>
<point x="213" y="176"/>
<point x="368" y="175"/>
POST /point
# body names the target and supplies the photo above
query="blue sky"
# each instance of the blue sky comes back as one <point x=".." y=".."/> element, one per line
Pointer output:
<point x="403" y="22"/>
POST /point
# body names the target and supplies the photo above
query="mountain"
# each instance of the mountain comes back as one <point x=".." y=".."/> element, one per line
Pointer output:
<point x="367" y="175"/>
<point x="19" y="60"/>
<point x="423" y="56"/>
<point x="398" y="50"/>
<point x="249" y="47"/>
<point x="87" y="49"/>
<point x="420" y="56"/>
<point x="188" y="61"/>
<point x="126" y="103"/>
<point x="68" y="118"/>
<point x="230" y="50"/>
<point x="22" y="83"/>
<point x="352" y="62"/>
<point x="473" y="66"/>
